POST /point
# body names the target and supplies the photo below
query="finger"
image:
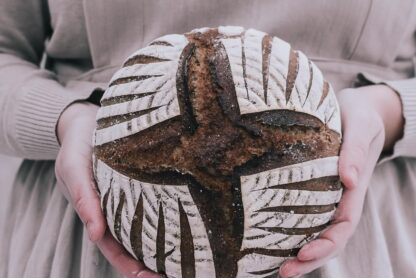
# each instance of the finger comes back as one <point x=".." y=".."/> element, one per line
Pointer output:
<point x="76" y="175"/>
<point x="334" y="238"/>
<point x="289" y="269"/>
<point x="88" y="209"/>
<point x="374" y="152"/>
<point x="353" y="155"/>
<point x="87" y="204"/>
<point x="296" y="268"/>
<point x="360" y="129"/>
<point x="120" y="259"/>
<point x="328" y="244"/>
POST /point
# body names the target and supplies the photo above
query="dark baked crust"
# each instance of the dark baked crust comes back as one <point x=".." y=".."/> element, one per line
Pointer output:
<point x="210" y="145"/>
<point x="211" y="140"/>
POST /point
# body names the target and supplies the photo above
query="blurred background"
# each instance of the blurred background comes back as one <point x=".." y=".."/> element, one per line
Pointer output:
<point x="8" y="169"/>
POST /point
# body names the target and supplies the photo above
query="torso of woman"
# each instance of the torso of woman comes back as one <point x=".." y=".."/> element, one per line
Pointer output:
<point x="91" y="38"/>
<point x="342" y="37"/>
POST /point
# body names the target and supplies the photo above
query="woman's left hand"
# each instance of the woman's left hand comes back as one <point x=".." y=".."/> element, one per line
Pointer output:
<point x="372" y="121"/>
<point x="74" y="174"/>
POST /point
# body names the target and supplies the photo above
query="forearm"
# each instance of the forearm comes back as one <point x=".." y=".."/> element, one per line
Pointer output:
<point x="31" y="103"/>
<point x="27" y="98"/>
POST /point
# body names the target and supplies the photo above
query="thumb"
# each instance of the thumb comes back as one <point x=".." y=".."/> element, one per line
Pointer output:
<point x="353" y="155"/>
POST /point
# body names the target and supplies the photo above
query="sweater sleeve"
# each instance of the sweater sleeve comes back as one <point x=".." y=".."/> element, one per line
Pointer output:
<point x="406" y="89"/>
<point x="31" y="98"/>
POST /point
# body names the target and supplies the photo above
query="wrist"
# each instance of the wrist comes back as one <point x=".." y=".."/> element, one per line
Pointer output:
<point x="80" y="111"/>
<point x="389" y="107"/>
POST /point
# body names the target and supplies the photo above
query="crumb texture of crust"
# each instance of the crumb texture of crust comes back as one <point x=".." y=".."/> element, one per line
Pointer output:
<point x="216" y="153"/>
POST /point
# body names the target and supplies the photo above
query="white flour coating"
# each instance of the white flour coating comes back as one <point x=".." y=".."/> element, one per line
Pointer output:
<point x="153" y="84"/>
<point x="291" y="197"/>
<point x="258" y="263"/>
<point x="276" y="86"/>
<point x="158" y="78"/>
<point x="275" y="241"/>
<point x="135" y="125"/>
<point x="230" y="30"/>
<point x="162" y="98"/>
<point x="317" y="168"/>
<point x="201" y="30"/>
<point x="249" y="80"/>
<point x="261" y="191"/>
<point x="285" y="219"/>
<point x="153" y="195"/>
<point x="173" y="39"/>
<point x="158" y="68"/>
<point x="253" y="55"/>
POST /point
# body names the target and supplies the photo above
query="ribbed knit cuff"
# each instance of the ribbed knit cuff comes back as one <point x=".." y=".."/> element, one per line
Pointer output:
<point x="37" y="115"/>
<point x="406" y="89"/>
<point x="407" y="92"/>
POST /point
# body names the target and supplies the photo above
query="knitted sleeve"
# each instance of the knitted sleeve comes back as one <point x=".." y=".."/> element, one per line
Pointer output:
<point x="31" y="98"/>
<point x="406" y="89"/>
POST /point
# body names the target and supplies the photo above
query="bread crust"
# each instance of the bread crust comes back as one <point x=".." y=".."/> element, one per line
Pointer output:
<point x="224" y="129"/>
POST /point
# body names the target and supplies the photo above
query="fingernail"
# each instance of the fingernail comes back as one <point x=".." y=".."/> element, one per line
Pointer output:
<point x="142" y="273"/>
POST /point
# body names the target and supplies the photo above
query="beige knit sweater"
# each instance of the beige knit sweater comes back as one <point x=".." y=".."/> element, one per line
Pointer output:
<point x="85" y="41"/>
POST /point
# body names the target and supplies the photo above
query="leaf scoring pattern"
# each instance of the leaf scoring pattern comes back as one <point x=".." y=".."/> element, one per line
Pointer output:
<point x="299" y="87"/>
<point x="267" y="75"/>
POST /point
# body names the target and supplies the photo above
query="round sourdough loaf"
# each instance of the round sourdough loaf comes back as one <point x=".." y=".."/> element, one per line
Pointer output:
<point x="216" y="153"/>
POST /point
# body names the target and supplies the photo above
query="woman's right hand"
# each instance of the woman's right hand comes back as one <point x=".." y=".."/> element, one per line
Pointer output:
<point x="372" y="120"/>
<point x="74" y="174"/>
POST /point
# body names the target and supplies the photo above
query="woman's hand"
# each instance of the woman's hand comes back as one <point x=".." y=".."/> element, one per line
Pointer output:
<point x="75" y="178"/>
<point x="372" y="121"/>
